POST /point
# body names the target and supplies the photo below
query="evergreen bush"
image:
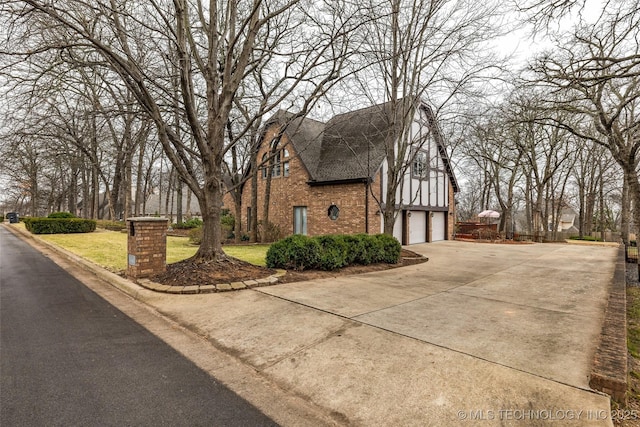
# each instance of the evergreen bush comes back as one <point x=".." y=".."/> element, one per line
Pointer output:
<point x="195" y="235"/>
<point x="332" y="251"/>
<point x="111" y="225"/>
<point x="59" y="225"/>
<point x="391" y="249"/>
<point x="61" y="215"/>
<point x="188" y="224"/>
<point x="371" y="250"/>
<point x="295" y="252"/>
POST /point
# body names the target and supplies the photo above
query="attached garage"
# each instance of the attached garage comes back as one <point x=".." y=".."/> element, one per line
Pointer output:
<point x="417" y="227"/>
<point x="438" y="226"/>
<point x="412" y="227"/>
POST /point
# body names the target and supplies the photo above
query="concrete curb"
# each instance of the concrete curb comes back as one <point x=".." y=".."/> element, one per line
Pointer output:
<point x="207" y="289"/>
<point x="610" y="373"/>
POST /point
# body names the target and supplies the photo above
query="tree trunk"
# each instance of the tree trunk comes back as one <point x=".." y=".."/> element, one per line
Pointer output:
<point x="187" y="213"/>
<point x="528" y="208"/>
<point x="602" y="219"/>
<point x="179" y="201"/>
<point x="253" y="221"/>
<point x="626" y="210"/>
<point x="140" y="193"/>
<point x="634" y="192"/>
<point x="581" y="209"/>
<point x="86" y="193"/>
<point x="167" y="198"/>
<point x="237" y="226"/>
<point x="72" y="197"/>
<point x="267" y="197"/>
<point x="210" y="205"/>
<point x="389" y="211"/>
<point x="95" y="191"/>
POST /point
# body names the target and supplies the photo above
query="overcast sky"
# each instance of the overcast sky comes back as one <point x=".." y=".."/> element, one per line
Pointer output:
<point x="523" y="45"/>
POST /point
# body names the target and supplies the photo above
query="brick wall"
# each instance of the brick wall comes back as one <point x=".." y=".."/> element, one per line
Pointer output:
<point x="351" y="199"/>
<point x="294" y="190"/>
<point x="146" y="246"/>
<point x="609" y="372"/>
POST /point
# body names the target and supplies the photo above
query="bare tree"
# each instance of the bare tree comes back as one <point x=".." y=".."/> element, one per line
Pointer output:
<point x="494" y="145"/>
<point x="426" y="49"/>
<point x="215" y="47"/>
<point x="595" y="73"/>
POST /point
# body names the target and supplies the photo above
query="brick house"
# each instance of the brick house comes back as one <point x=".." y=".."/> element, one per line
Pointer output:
<point x="329" y="178"/>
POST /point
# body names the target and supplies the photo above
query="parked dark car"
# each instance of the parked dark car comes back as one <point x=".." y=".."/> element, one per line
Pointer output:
<point x="13" y="217"/>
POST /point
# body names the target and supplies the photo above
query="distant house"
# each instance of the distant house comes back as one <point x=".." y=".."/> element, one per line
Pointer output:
<point x="157" y="204"/>
<point x="331" y="178"/>
<point x="566" y="222"/>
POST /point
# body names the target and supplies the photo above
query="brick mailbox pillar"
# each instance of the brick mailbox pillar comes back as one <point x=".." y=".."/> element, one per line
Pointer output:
<point x="146" y="246"/>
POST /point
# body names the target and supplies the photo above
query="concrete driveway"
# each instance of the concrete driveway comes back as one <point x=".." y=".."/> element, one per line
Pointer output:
<point x="481" y="334"/>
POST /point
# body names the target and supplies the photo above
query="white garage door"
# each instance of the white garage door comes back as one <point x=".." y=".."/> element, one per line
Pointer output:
<point x="417" y="227"/>
<point x="438" y="226"/>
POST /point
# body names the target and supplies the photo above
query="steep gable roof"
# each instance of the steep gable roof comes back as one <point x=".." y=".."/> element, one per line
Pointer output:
<point x="351" y="146"/>
<point x="305" y="135"/>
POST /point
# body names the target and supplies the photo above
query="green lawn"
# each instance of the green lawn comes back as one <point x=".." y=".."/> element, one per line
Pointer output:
<point x="109" y="248"/>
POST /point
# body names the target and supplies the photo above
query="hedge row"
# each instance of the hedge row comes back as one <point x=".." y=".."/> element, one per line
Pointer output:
<point x="59" y="225"/>
<point x="330" y="252"/>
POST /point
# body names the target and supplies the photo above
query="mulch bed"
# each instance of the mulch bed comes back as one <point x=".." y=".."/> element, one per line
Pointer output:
<point x="188" y="272"/>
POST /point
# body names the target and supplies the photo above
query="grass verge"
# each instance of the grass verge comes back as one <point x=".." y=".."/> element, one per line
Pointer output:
<point x="633" y="321"/>
<point x="109" y="248"/>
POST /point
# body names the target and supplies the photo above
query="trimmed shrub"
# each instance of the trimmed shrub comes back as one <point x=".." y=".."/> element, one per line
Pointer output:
<point x="189" y="224"/>
<point x="371" y="250"/>
<point x="61" y="215"/>
<point x="357" y="248"/>
<point x="111" y="225"/>
<point x="295" y="252"/>
<point x="60" y="225"/>
<point x="390" y="249"/>
<point x="332" y="251"/>
<point x="195" y="235"/>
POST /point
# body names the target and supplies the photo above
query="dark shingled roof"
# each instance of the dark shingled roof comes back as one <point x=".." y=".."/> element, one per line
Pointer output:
<point x="306" y="137"/>
<point x="350" y="146"/>
<point x="353" y="144"/>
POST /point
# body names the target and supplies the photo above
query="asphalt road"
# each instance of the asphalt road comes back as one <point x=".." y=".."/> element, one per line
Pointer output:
<point x="68" y="357"/>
